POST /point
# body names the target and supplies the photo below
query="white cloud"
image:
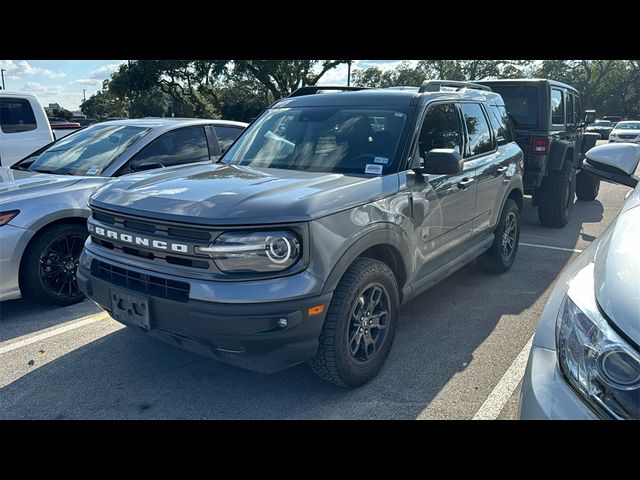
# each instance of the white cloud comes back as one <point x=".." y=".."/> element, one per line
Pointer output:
<point x="39" y="89"/>
<point x="105" y="71"/>
<point x="91" y="82"/>
<point x="21" y="68"/>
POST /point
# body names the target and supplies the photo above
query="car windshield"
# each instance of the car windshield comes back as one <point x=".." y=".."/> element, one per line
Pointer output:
<point x="89" y="151"/>
<point x="629" y="126"/>
<point x="323" y="139"/>
<point x="602" y="123"/>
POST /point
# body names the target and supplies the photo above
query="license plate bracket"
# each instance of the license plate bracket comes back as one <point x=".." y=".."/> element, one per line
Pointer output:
<point x="131" y="309"/>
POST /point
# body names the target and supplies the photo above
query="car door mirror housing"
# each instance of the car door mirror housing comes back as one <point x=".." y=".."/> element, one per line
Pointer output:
<point x="616" y="162"/>
<point x="146" y="166"/>
<point x="446" y="161"/>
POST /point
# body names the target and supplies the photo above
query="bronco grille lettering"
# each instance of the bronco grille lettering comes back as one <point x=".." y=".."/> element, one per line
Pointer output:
<point x="135" y="239"/>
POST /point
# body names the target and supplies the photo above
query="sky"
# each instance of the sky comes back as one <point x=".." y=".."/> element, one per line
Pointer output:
<point x="63" y="81"/>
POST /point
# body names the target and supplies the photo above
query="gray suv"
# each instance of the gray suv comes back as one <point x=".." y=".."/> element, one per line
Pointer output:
<point x="325" y="216"/>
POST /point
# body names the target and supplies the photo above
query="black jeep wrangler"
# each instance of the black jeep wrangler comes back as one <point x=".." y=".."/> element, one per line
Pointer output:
<point x="550" y="130"/>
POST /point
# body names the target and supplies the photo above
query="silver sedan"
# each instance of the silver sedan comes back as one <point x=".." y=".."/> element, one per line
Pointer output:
<point x="43" y="198"/>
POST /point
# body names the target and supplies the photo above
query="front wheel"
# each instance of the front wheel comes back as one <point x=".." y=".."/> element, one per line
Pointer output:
<point x="587" y="186"/>
<point x="360" y="325"/>
<point x="502" y="253"/>
<point x="48" y="272"/>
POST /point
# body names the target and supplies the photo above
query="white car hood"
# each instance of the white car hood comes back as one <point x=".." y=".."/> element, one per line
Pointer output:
<point x="625" y="132"/>
<point x="617" y="269"/>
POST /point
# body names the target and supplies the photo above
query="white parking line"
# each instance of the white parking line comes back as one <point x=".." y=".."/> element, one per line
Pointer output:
<point x="499" y="396"/>
<point x="550" y="247"/>
<point x="66" y="327"/>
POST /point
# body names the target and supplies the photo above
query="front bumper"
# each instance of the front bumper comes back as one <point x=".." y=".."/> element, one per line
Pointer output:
<point x="13" y="241"/>
<point x="242" y="334"/>
<point x="545" y="395"/>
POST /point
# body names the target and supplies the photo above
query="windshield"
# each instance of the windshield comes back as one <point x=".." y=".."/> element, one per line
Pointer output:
<point x="89" y="151"/>
<point x="602" y="123"/>
<point x="629" y="126"/>
<point x="323" y="139"/>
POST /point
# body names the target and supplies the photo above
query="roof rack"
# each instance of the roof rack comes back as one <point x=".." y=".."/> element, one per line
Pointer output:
<point x="311" y="89"/>
<point x="434" y="85"/>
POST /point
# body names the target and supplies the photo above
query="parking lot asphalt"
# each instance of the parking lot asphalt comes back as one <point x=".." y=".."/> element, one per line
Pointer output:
<point x="453" y="346"/>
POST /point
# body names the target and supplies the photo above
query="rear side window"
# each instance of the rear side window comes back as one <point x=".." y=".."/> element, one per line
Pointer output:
<point x="570" y="110"/>
<point x="227" y="134"/>
<point x="174" y="148"/>
<point x="478" y="131"/>
<point x="557" y="107"/>
<point x="16" y="115"/>
<point x="521" y="103"/>
<point x="501" y="124"/>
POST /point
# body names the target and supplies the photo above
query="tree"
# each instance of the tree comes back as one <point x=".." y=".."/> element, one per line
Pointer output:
<point x="105" y="104"/>
<point x="59" y="112"/>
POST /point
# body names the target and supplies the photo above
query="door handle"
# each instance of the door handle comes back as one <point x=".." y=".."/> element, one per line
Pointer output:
<point x="502" y="169"/>
<point x="465" y="182"/>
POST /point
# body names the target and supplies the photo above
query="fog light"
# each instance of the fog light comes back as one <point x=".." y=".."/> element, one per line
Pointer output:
<point x="282" y="322"/>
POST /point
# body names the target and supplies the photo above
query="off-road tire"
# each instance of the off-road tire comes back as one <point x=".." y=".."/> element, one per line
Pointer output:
<point x="587" y="186"/>
<point x="556" y="196"/>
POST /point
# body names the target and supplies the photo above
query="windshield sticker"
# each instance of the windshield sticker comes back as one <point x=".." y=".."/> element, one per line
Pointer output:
<point x="375" y="169"/>
<point x="93" y="170"/>
<point x="384" y="160"/>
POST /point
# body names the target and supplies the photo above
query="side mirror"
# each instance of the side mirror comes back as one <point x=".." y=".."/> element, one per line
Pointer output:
<point x="444" y="161"/>
<point x="614" y="162"/>
<point x="146" y="166"/>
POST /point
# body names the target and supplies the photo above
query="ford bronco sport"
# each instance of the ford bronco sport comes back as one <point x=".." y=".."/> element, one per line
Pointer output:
<point x="329" y="212"/>
<point x="550" y="131"/>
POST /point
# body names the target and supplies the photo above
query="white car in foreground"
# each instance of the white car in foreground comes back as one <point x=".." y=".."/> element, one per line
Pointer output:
<point x="625" y="132"/>
<point x="585" y="358"/>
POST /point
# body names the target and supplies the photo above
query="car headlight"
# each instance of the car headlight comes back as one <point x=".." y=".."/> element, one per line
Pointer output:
<point x="6" y="217"/>
<point x="596" y="361"/>
<point x="254" y="252"/>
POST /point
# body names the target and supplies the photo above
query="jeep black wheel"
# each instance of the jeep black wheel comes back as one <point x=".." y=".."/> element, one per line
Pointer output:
<point x="48" y="272"/>
<point x="587" y="186"/>
<point x="360" y="325"/>
<point x="556" y="196"/>
<point x="502" y="253"/>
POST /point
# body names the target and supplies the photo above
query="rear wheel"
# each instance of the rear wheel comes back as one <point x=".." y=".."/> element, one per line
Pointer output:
<point x="360" y="325"/>
<point x="48" y="272"/>
<point x="587" y="186"/>
<point x="500" y="256"/>
<point x="556" y="195"/>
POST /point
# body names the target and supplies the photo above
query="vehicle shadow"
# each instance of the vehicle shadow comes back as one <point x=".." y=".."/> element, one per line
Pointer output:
<point x="23" y="316"/>
<point x="440" y="337"/>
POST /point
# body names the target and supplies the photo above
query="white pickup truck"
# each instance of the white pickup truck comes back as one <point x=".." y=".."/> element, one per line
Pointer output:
<point x="24" y="127"/>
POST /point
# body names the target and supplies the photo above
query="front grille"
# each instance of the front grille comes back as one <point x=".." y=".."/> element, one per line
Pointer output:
<point x="139" y="282"/>
<point x="627" y="136"/>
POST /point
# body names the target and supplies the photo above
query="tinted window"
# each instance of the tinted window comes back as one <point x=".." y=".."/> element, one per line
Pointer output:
<point x="557" y="107"/>
<point x="326" y="139"/>
<point x="441" y="129"/>
<point x="16" y="115"/>
<point x="174" y="148"/>
<point x="227" y="134"/>
<point x="570" y="117"/>
<point x="477" y="129"/>
<point x="89" y="151"/>
<point x="521" y="102"/>
<point x="501" y="124"/>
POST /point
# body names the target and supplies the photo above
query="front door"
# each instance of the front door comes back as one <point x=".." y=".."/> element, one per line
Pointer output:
<point x="443" y="205"/>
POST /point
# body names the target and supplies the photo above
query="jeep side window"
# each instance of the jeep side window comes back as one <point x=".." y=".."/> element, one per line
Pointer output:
<point x="441" y="129"/>
<point x="478" y="131"/>
<point x="557" y="107"/>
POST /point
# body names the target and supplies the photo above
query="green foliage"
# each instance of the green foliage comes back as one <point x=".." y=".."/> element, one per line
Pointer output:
<point x="59" y="112"/>
<point x="105" y="104"/>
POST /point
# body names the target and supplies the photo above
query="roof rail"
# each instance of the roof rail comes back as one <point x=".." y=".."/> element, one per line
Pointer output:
<point x="434" y="85"/>
<point x="311" y="89"/>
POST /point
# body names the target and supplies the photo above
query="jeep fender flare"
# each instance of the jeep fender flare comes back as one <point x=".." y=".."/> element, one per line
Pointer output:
<point x="387" y="234"/>
<point x="561" y="151"/>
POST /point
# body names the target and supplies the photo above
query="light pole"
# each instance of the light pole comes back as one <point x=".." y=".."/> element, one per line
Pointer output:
<point x="2" y="70"/>
<point x="348" y="72"/>
<point x="84" y="96"/>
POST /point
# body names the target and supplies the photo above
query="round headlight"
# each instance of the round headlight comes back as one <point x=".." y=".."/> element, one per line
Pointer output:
<point x="279" y="249"/>
<point x="619" y="368"/>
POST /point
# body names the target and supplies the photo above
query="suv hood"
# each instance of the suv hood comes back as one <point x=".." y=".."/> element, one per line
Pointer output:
<point x="18" y="184"/>
<point x="218" y="194"/>
<point x="617" y="269"/>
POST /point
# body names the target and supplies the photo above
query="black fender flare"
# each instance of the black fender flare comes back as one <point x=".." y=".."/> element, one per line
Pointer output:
<point x="388" y="235"/>
<point x="561" y="151"/>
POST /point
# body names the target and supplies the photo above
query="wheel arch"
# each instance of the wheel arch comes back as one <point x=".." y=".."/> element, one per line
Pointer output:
<point x="561" y="151"/>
